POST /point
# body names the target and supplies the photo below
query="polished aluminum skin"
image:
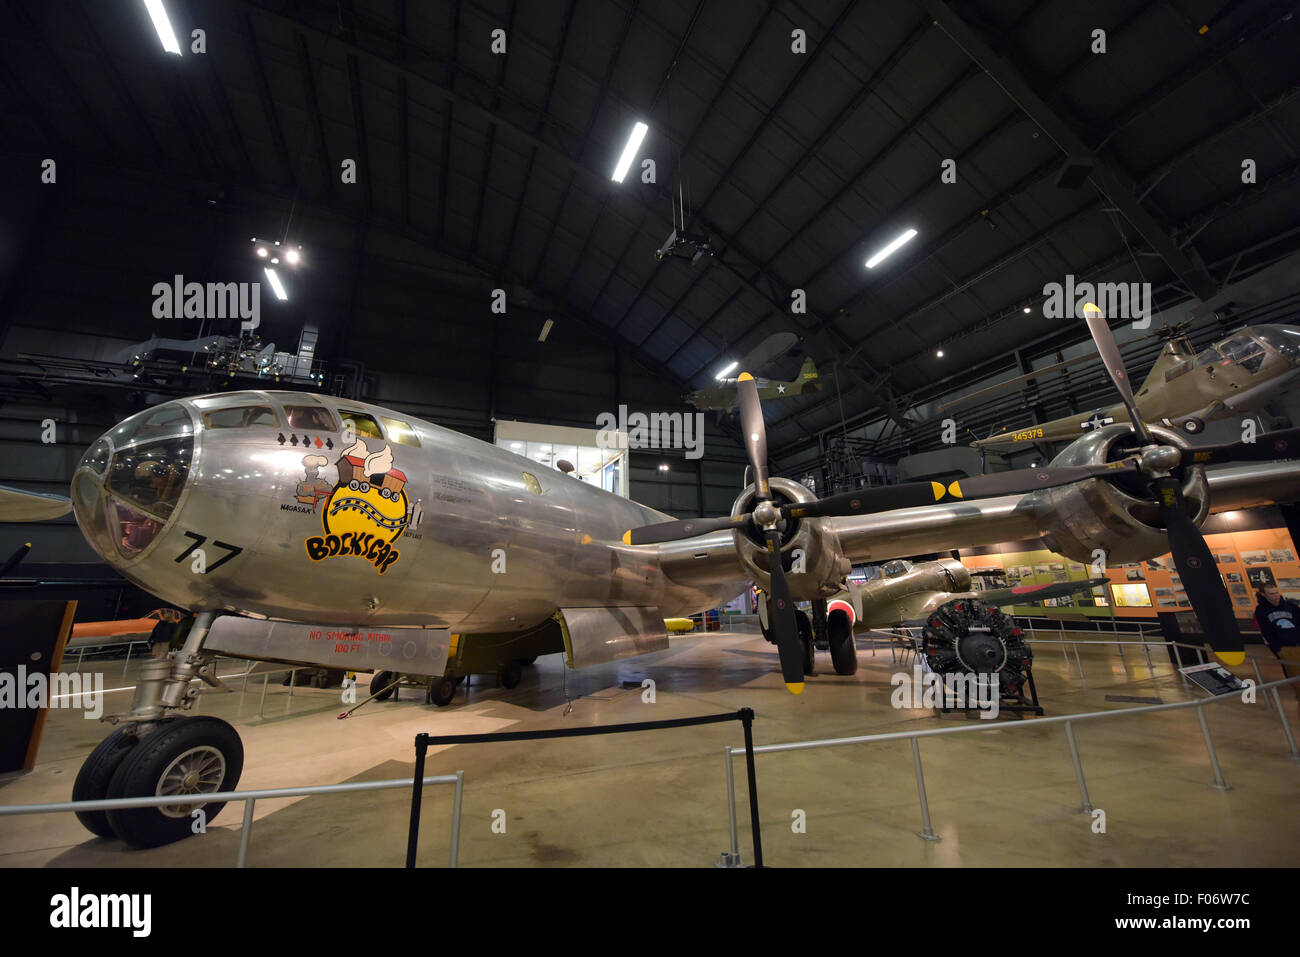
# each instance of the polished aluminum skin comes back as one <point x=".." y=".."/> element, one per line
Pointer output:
<point x="499" y="544"/>
<point x="456" y="533"/>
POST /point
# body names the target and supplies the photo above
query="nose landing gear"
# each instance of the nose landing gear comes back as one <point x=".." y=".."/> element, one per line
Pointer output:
<point x="159" y="752"/>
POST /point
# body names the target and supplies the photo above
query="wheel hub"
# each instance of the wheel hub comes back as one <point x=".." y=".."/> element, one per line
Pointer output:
<point x="196" y="771"/>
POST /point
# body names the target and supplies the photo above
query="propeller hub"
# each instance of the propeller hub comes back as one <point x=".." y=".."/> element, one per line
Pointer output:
<point x="1160" y="459"/>
<point x="766" y="515"/>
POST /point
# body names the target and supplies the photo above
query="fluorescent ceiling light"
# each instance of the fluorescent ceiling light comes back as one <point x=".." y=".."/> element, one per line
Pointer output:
<point x="274" y="280"/>
<point x="725" y="372"/>
<point x="629" y="152"/>
<point x="890" y="249"/>
<point x="158" y="14"/>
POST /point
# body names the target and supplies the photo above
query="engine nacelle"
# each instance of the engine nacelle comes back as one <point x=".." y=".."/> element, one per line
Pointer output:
<point x="804" y="542"/>
<point x="1114" y="515"/>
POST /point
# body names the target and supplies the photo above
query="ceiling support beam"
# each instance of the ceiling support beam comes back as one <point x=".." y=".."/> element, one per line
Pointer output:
<point x="1113" y="182"/>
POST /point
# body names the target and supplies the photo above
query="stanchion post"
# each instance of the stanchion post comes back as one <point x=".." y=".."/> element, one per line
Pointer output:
<point x="1259" y="680"/>
<point x="1219" y="783"/>
<point x="454" y="859"/>
<point x="1078" y="768"/>
<point x="246" y="832"/>
<point x="732" y="858"/>
<point x="927" y="832"/>
<point x="1286" y="725"/>
<point x="747" y="719"/>
<point x="417" y="793"/>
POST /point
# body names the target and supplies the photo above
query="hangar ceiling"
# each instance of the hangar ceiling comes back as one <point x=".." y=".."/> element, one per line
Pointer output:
<point x="478" y="170"/>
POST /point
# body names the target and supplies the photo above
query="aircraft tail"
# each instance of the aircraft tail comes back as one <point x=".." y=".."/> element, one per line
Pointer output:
<point x="808" y="371"/>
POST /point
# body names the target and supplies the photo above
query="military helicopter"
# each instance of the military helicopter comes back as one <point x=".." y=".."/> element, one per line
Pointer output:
<point x="316" y="530"/>
<point x="1186" y="389"/>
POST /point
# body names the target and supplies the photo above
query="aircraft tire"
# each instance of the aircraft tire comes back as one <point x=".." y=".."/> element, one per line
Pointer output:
<point x="1194" y="426"/>
<point x="806" y="636"/>
<point x="184" y="756"/>
<point x="844" y="652"/>
<point x="94" y="777"/>
<point x="382" y="680"/>
<point x="442" y="691"/>
<point x="511" y="674"/>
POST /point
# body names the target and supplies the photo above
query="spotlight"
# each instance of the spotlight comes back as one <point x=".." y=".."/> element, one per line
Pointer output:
<point x="261" y="251"/>
<point x="939" y="354"/>
<point x="292" y="257"/>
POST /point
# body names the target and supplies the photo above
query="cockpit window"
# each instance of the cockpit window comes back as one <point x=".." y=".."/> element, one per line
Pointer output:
<point x="1245" y="350"/>
<point x="366" y="427"/>
<point x="151" y="476"/>
<point x="241" y="417"/>
<point x="162" y="419"/>
<point x="895" y="568"/>
<point x="315" y="418"/>
<point x="400" y="432"/>
<point x="1210" y="357"/>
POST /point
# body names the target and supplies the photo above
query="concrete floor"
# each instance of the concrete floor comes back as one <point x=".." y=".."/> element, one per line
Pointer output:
<point x="1004" y="797"/>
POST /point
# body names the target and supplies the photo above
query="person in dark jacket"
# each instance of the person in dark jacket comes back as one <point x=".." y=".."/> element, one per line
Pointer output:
<point x="1279" y="622"/>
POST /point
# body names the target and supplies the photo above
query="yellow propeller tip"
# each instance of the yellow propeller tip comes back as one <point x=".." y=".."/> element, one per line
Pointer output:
<point x="955" y="489"/>
<point x="627" y="537"/>
<point x="744" y="377"/>
<point x="1091" y="308"/>
<point x="1231" y="657"/>
<point x="794" y="687"/>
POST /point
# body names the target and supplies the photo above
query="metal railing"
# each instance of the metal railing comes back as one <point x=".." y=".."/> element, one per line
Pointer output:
<point x="927" y="832"/>
<point x="250" y="799"/>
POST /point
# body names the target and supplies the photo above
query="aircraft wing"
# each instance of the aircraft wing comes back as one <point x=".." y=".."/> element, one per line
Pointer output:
<point x="1028" y="594"/>
<point x="19" y="505"/>
<point x="940" y="528"/>
<point x="707" y="560"/>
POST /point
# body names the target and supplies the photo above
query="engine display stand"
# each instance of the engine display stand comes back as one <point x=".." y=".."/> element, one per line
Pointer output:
<point x="1011" y="704"/>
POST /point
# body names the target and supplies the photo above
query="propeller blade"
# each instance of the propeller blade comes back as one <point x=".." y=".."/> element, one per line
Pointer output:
<point x="913" y="494"/>
<point x="682" y="528"/>
<point x="755" y="429"/>
<point x="15" y="558"/>
<point x="780" y="616"/>
<point x="1027" y="480"/>
<point x="1200" y="574"/>
<point x="1267" y="447"/>
<point x="1114" y="362"/>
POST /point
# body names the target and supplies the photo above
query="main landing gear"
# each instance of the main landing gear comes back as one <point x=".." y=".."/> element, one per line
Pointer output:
<point x="817" y="631"/>
<point x="159" y="752"/>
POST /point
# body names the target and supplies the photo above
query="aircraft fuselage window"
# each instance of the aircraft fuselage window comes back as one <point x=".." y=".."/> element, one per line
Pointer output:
<point x="312" y="418"/>
<point x="241" y="417"/>
<point x="399" y="431"/>
<point x="365" y="425"/>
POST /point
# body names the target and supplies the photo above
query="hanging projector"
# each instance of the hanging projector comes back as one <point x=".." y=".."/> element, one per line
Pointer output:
<point x="683" y="245"/>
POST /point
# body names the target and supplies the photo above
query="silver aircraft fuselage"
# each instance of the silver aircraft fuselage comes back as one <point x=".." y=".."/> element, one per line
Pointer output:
<point x="219" y="503"/>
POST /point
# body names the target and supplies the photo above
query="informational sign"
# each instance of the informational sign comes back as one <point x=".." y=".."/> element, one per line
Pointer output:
<point x="1213" y="678"/>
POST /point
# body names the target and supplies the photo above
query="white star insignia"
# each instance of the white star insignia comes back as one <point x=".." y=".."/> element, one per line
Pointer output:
<point x="780" y="389"/>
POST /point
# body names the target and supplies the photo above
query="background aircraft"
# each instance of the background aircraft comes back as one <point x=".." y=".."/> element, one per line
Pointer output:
<point x="905" y="593"/>
<point x="723" y="398"/>
<point x="1185" y="389"/>
<point x="309" y="529"/>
